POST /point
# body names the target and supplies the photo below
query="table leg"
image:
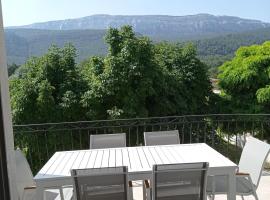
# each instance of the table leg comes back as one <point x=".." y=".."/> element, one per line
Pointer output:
<point x="40" y="193"/>
<point x="61" y="193"/>
<point x="231" y="186"/>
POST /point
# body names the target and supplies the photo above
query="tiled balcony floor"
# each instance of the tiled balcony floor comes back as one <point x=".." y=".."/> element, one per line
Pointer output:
<point x="263" y="191"/>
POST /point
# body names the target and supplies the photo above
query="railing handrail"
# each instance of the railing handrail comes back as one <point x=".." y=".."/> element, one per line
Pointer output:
<point x="132" y="119"/>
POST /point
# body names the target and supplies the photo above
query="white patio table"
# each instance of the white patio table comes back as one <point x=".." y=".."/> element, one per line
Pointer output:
<point x="56" y="172"/>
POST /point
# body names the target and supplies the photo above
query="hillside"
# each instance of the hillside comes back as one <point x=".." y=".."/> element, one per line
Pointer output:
<point x="216" y="51"/>
<point x="159" y="27"/>
<point x="24" y="43"/>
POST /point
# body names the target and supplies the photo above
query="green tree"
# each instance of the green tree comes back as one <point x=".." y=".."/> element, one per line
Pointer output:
<point x="48" y="88"/>
<point x="245" y="79"/>
<point x="136" y="79"/>
<point x="184" y="87"/>
<point x="12" y="68"/>
<point x="140" y="79"/>
<point x="120" y="83"/>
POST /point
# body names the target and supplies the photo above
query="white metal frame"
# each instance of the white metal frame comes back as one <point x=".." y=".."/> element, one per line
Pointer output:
<point x="6" y="109"/>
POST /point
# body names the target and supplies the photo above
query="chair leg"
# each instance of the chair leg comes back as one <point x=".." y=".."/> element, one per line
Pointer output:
<point x="144" y="191"/>
<point x="130" y="191"/>
<point x="213" y="197"/>
<point x="213" y="188"/>
<point x="255" y="195"/>
<point x="253" y="189"/>
<point x="242" y="197"/>
<point x="130" y="194"/>
<point x="148" y="192"/>
<point x="61" y="193"/>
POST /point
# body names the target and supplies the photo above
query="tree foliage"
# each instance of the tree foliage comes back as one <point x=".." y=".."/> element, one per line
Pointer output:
<point x="140" y="79"/>
<point x="184" y="87"/>
<point x="12" y="68"/>
<point x="245" y="79"/>
<point x="135" y="79"/>
<point x="47" y="89"/>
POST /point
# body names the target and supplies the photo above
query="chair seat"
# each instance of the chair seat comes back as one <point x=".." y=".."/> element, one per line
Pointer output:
<point x="243" y="185"/>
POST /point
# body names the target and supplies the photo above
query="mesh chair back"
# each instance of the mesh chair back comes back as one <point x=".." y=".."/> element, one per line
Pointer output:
<point x="107" y="141"/>
<point x="253" y="157"/>
<point x="161" y="138"/>
<point x="100" y="183"/>
<point x="180" y="181"/>
<point x="24" y="176"/>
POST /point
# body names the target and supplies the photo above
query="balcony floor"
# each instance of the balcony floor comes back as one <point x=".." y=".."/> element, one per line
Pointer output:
<point x="263" y="191"/>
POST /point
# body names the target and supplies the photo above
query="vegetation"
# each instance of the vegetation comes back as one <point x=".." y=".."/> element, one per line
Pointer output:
<point x="12" y="68"/>
<point x="47" y="89"/>
<point x="245" y="80"/>
<point x="215" y="51"/>
<point x="136" y="79"/>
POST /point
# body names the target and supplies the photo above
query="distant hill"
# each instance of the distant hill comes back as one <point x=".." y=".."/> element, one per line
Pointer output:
<point x="219" y="37"/>
<point x="216" y="51"/>
<point x="24" y="43"/>
<point x="159" y="27"/>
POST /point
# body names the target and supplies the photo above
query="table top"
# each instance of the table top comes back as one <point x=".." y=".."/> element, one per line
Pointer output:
<point x="138" y="159"/>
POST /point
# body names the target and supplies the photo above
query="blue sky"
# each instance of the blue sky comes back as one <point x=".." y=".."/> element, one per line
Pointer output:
<point x="19" y="12"/>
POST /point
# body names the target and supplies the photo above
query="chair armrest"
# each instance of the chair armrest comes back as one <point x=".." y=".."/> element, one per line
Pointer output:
<point x="30" y="187"/>
<point x="241" y="174"/>
<point x="130" y="184"/>
<point x="147" y="184"/>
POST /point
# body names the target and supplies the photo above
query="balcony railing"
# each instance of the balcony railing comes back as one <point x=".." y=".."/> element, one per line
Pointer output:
<point x="221" y="131"/>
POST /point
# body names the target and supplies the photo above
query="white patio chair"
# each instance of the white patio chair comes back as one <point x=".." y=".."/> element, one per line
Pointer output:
<point x="249" y="172"/>
<point x="26" y="186"/>
<point x="178" y="181"/>
<point x="161" y="138"/>
<point x="107" y="141"/>
<point x="101" y="183"/>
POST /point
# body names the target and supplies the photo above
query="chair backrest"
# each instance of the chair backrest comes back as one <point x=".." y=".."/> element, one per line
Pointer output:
<point x="107" y="141"/>
<point x="253" y="157"/>
<point x="24" y="176"/>
<point x="180" y="181"/>
<point x="100" y="183"/>
<point x="161" y="138"/>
